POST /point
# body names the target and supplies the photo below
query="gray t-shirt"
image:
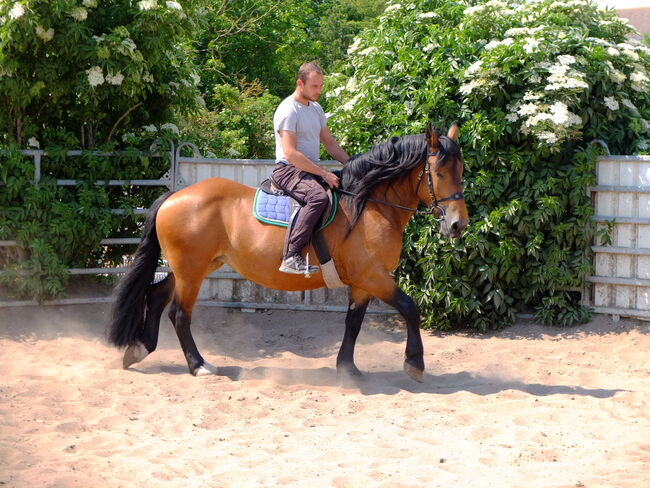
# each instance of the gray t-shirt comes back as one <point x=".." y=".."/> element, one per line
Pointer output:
<point x="305" y="120"/>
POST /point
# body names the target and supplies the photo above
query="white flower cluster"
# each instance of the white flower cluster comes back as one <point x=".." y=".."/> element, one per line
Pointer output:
<point x="96" y="77"/>
<point x="115" y="79"/>
<point x="548" y="122"/>
<point x="611" y="103"/>
<point x="350" y="104"/>
<point x="367" y="51"/>
<point x="508" y="41"/>
<point x="17" y="11"/>
<point x="563" y="77"/>
<point x="479" y="85"/>
<point x="639" y="80"/>
<point x="481" y="79"/>
<point x="531" y="45"/>
<point x="524" y="31"/>
<point x="147" y="4"/>
<point x="615" y="75"/>
<point x="496" y="6"/>
<point x="354" y="46"/>
<point x="79" y="14"/>
<point x="46" y="35"/>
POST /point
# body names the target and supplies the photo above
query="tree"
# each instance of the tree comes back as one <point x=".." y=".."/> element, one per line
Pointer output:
<point x="93" y="68"/>
<point x="266" y="40"/>
<point x="533" y="84"/>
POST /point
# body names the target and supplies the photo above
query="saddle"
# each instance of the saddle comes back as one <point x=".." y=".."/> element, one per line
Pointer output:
<point x="273" y="205"/>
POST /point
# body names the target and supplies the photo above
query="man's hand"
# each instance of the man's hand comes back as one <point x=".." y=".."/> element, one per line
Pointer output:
<point x="331" y="179"/>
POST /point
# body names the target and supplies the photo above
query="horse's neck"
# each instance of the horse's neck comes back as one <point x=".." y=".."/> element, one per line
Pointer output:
<point x="403" y="193"/>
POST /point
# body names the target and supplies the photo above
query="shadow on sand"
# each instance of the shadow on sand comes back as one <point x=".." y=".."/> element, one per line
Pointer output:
<point x="388" y="382"/>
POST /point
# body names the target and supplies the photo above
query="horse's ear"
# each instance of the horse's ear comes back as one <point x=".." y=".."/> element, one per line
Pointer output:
<point x="432" y="138"/>
<point x="453" y="132"/>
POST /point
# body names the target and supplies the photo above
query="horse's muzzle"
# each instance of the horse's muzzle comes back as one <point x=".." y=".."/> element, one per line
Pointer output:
<point x="457" y="227"/>
<point x="453" y="227"/>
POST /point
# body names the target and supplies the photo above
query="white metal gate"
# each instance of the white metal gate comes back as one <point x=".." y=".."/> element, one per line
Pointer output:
<point x="621" y="284"/>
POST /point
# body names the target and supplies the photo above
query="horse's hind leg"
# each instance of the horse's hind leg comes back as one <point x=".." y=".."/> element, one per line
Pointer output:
<point x="356" y="311"/>
<point x="158" y="297"/>
<point x="180" y="314"/>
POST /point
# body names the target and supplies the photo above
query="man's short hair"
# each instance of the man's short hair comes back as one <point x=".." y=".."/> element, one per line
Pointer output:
<point x="306" y="68"/>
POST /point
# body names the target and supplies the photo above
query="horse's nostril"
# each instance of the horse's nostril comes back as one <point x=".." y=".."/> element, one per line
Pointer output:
<point x="455" y="226"/>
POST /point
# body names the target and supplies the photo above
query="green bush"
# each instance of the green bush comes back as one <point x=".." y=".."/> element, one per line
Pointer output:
<point x="533" y="83"/>
<point x="267" y="40"/>
<point x="59" y="227"/>
<point x="93" y="68"/>
<point x="87" y="74"/>
<point x="240" y="125"/>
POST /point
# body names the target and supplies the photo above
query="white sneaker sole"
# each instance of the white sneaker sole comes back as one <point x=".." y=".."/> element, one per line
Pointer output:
<point x="312" y="269"/>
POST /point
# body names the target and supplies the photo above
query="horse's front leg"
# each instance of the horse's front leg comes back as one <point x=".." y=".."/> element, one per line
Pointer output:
<point x="356" y="311"/>
<point x="414" y="360"/>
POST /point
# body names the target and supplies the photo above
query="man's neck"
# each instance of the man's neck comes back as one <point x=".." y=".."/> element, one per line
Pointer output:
<point x="297" y="96"/>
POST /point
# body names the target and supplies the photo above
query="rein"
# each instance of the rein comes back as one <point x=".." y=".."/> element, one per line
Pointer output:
<point x="434" y="201"/>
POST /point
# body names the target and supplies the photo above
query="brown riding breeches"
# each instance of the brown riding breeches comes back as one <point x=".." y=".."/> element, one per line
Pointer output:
<point x="308" y="190"/>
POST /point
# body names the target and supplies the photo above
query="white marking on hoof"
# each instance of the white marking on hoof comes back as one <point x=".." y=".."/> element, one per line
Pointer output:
<point x="134" y="354"/>
<point x="205" y="369"/>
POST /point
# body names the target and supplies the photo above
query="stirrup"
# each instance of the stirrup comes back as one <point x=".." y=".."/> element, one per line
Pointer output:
<point x="307" y="273"/>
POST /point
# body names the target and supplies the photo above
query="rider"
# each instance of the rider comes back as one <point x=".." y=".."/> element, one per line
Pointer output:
<point x="300" y="126"/>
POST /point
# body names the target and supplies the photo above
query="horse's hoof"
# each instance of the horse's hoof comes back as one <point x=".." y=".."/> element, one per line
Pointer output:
<point x="205" y="369"/>
<point x="134" y="354"/>
<point x="414" y="373"/>
<point x="349" y="370"/>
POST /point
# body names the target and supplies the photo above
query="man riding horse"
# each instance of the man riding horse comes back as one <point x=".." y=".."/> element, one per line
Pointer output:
<point x="300" y="126"/>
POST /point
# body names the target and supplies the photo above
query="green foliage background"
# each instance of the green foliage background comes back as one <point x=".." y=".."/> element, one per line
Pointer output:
<point x="85" y="74"/>
<point x="532" y="84"/>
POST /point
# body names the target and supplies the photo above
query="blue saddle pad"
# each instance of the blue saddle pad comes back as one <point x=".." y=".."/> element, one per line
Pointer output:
<point x="276" y="209"/>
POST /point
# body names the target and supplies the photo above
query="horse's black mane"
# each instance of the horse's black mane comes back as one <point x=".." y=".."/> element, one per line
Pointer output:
<point x="387" y="162"/>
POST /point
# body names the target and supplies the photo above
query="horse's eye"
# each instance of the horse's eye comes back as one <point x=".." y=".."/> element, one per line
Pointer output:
<point x="439" y="175"/>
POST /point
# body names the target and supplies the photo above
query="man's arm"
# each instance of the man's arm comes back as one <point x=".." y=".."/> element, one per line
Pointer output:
<point x="332" y="146"/>
<point x="300" y="161"/>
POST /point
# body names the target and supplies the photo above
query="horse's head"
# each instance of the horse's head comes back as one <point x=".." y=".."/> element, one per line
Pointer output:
<point x="443" y="175"/>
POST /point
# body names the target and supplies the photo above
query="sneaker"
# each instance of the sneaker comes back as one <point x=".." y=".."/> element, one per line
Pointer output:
<point x="296" y="265"/>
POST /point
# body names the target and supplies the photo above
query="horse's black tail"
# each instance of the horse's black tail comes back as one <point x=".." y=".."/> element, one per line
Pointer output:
<point x="130" y="295"/>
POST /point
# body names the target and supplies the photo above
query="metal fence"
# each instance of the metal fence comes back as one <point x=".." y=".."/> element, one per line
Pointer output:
<point x="620" y="286"/>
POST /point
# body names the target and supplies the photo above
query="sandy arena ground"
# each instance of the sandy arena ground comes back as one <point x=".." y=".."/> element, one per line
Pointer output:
<point x="530" y="406"/>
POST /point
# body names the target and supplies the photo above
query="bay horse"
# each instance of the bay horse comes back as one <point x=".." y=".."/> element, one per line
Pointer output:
<point x="210" y="223"/>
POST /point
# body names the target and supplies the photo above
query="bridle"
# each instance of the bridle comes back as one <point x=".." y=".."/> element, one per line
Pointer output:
<point x="426" y="169"/>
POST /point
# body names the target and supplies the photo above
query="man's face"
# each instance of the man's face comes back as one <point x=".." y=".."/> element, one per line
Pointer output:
<point x="312" y="86"/>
